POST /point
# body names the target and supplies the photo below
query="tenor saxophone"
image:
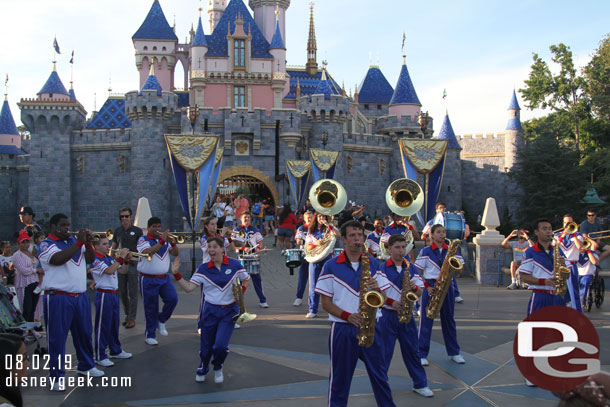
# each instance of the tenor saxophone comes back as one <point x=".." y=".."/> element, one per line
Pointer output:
<point x="407" y="299"/>
<point x="367" y="308"/>
<point x="238" y="294"/>
<point x="561" y="273"/>
<point x="450" y="266"/>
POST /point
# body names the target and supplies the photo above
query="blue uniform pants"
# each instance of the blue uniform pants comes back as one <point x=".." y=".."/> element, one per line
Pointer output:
<point x="258" y="287"/>
<point x="151" y="289"/>
<point x="201" y="302"/>
<point x="391" y="329"/>
<point x="344" y="354"/>
<point x="454" y="286"/>
<point x="585" y="283"/>
<point x="302" y="279"/>
<point x="543" y="299"/>
<point x="64" y="313"/>
<point x="107" y="319"/>
<point x="573" y="292"/>
<point x="447" y="324"/>
<point x="216" y="330"/>
<point x="314" y="273"/>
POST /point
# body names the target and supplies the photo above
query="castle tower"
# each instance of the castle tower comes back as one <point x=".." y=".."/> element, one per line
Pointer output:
<point x="10" y="140"/>
<point x="451" y="188"/>
<point x="156" y="39"/>
<point x="375" y="93"/>
<point x="278" y="50"/>
<point x="404" y="101"/>
<point x="215" y="10"/>
<point x="312" y="47"/>
<point x="51" y="119"/>
<point x="198" y="50"/>
<point x="513" y="136"/>
<point x="265" y="17"/>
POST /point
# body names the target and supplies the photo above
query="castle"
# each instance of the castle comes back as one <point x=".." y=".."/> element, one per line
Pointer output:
<point x="264" y="112"/>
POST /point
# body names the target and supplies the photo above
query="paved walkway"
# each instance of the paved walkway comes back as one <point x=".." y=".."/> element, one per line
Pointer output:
<point x="281" y="358"/>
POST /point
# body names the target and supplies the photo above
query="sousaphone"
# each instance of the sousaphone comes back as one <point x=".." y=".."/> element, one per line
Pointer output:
<point x="327" y="197"/>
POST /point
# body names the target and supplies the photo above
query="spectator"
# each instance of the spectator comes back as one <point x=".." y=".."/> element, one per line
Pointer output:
<point x="229" y="214"/>
<point x="519" y="247"/>
<point x="218" y="211"/>
<point x="592" y="225"/>
<point x="269" y="213"/>
<point x="12" y="347"/>
<point x="26" y="216"/>
<point x="306" y="208"/>
<point x="257" y="215"/>
<point x="26" y="278"/>
<point x="241" y="205"/>
<point x="351" y="213"/>
<point x="6" y="261"/>
<point x="286" y="226"/>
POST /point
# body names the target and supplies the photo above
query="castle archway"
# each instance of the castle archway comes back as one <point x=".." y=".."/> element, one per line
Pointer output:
<point x="258" y="184"/>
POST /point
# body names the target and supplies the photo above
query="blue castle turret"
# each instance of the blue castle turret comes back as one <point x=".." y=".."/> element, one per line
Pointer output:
<point x="451" y="190"/>
<point x="513" y="136"/>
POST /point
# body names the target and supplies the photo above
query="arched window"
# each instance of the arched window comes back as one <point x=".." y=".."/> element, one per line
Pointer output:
<point x="155" y="48"/>
<point x="145" y="47"/>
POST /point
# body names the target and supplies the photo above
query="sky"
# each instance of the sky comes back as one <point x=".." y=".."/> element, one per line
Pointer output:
<point x="478" y="50"/>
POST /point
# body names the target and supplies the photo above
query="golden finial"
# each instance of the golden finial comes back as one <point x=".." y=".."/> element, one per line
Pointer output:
<point x="343" y="89"/>
<point x="324" y="64"/>
<point x="152" y="67"/>
<point x="311" y="4"/>
<point x="277" y="11"/>
<point x="6" y="88"/>
<point x="298" y="89"/>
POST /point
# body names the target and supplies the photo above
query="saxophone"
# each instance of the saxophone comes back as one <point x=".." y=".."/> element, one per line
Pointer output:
<point x="407" y="299"/>
<point x="561" y="273"/>
<point x="238" y="294"/>
<point x="450" y="266"/>
<point x="367" y="308"/>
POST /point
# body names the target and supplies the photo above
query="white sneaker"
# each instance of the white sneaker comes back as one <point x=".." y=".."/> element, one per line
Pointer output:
<point x="151" y="341"/>
<point x="59" y="385"/>
<point x="513" y="286"/>
<point x="199" y="331"/>
<point x="93" y="372"/>
<point x="458" y="359"/>
<point x="218" y="376"/>
<point x="199" y="378"/>
<point x="282" y="252"/>
<point x="310" y="315"/>
<point x="263" y="305"/>
<point x="104" y="362"/>
<point x="297" y="302"/>
<point x="122" y="355"/>
<point x="459" y="299"/>
<point x="424" y="391"/>
<point x="424" y="362"/>
<point x="162" y="329"/>
<point x="236" y="326"/>
<point x="529" y="384"/>
<point x="37" y="290"/>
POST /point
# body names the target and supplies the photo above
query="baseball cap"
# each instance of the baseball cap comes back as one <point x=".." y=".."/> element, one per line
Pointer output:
<point x="27" y="210"/>
<point x="23" y="235"/>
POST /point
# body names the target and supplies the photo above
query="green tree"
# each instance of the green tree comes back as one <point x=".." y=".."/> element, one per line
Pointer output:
<point x="562" y="93"/>
<point x="597" y="74"/>
<point x="598" y="164"/>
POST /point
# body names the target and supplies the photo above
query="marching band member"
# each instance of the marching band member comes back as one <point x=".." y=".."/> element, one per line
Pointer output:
<point x="373" y="239"/>
<point x="65" y="302"/>
<point x="209" y="230"/>
<point x="587" y="264"/>
<point x="254" y="243"/>
<point x="389" y="325"/>
<point x="399" y="226"/>
<point x="319" y="228"/>
<point x="429" y="262"/>
<point x="570" y="245"/>
<point x="339" y="287"/>
<point x="107" y="308"/>
<point x="301" y="237"/>
<point x="154" y="281"/>
<point x="216" y="277"/>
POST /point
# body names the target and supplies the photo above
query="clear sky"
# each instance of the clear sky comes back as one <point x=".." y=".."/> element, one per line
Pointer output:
<point x="479" y="50"/>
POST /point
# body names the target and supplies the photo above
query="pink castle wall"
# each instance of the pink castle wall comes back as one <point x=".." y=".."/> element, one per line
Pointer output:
<point x="262" y="97"/>
<point x="10" y="140"/>
<point x="405" y="110"/>
<point x="215" y="96"/>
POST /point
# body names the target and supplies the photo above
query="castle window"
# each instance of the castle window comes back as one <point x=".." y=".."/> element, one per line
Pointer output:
<point x="366" y="107"/>
<point x="239" y="59"/>
<point x="145" y="47"/>
<point x="164" y="49"/>
<point x="378" y="107"/>
<point x="155" y="48"/>
<point x="239" y="96"/>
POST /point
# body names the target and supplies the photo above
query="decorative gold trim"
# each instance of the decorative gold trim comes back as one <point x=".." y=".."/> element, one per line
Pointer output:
<point x="474" y="155"/>
<point x="102" y="147"/>
<point x="198" y="74"/>
<point x="363" y="148"/>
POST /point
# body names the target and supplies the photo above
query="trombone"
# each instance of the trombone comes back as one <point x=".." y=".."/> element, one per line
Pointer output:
<point x="571" y="228"/>
<point x="605" y="234"/>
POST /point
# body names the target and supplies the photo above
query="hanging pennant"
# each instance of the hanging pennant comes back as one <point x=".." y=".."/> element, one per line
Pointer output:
<point x="323" y="163"/>
<point x="298" y="175"/>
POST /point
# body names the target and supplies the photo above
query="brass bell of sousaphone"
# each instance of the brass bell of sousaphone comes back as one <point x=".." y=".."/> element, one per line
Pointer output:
<point x="327" y="197"/>
<point x="404" y="197"/>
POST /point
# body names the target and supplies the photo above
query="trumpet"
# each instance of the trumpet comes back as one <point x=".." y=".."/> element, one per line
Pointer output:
<point x="139" y="256"/>
<point x="95" y="236"/>
<point x="178" y="238"/>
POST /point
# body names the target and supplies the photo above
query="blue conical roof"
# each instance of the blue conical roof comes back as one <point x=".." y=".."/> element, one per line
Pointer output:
<point x="72" y="94"/>
<point x="323" y="87"/>
<point x="405" y="92"/>
<point x="54" y="85"/>
<point x="199" y="40"/>
<point x="447" y="133"/>
<point x="375" y="88"/>
<point x="152" y="84"/>
<point x="514" y="104"/>
<point x="7" y="124"/>
<point x="277" y="41"/>
<point x="155" y="26"/>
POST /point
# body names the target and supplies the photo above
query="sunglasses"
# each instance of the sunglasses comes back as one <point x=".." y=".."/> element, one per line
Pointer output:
<point x="124" y="216"/>
<point x="590" y="216"/>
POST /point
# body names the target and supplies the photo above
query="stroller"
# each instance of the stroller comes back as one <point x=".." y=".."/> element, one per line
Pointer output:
<point x="11" y="320"/>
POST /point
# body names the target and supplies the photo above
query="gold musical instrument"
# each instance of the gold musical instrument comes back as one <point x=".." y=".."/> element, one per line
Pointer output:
<point x="561" y="273"/>
<point x="238" y="294"/>
<point x="407" y="299"/>
<point x="570" y="229"/>
<point x="140" y="256"/>
<point x="95" y="236"/>
<point x="450" y="266"/>
<point x="594" y="235"/>
<point x="367" y="308"/>
<point x="177" y="238"/>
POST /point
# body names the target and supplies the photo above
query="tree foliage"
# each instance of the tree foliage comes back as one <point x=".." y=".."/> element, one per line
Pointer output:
<point x="597" y="74"/>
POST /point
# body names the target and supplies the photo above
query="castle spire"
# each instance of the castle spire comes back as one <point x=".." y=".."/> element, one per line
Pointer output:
<point x="514" y="114"/>
<point x="312" y="48"/>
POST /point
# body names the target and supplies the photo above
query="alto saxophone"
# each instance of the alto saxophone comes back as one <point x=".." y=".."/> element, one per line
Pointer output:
<point x="238" y="294"/>
<point x="367" y="308"/>
<point x="407" y="299"/>
<point x="450" y="266"/>
<point x="561" y="273"/>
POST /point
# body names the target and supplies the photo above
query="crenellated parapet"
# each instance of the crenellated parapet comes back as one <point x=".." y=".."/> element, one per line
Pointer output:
<point x="321" y="110"/>
<point x="148" y="105"/>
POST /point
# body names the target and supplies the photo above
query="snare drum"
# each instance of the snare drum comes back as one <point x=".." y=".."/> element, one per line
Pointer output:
<point x="454" y="224"/>
<point x="251" y="263"/>
<point x="337" y="251"/>
<point x="294" y="257"/>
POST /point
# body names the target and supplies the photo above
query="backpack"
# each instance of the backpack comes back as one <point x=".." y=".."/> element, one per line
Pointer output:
<point x="256" y="209"/>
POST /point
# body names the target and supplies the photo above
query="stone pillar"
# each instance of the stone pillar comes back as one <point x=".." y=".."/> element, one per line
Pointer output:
<point x="489" y="249"/>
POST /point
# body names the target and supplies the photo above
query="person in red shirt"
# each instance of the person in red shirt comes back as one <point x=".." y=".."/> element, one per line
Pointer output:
<point x="241" y="205"/>
<point x="286" y="227"/>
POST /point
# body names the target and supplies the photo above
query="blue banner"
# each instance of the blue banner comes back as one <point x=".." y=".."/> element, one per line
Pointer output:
<point x="215" y="175"/>
<point x="435" y="180"/>
<point x="303" y="189"/>
<point x="181" y="177"/>
<point x="315" y="170"/>
<point x="205" y="180"/>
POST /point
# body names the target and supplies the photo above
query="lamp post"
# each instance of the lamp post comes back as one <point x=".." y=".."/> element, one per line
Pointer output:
<point x="193" y="115"/>
<point x="324" y="139"/>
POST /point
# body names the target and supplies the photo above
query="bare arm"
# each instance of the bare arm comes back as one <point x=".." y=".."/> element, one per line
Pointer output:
<point x="187" y="286"/>
<point x="592" y="257"/>
<point x="505" y="242"/>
